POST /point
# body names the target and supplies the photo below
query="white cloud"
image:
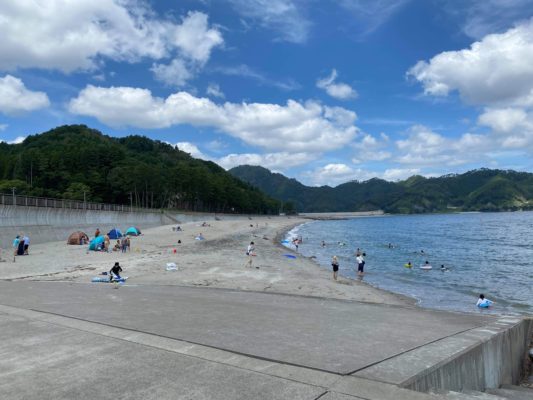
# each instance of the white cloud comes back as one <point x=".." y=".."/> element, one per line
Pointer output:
<point x="426" y="148"/>
<point x="494" y="71"/>
<point x="174" y="74"/>
<point x="371" y="149"/>
<point x="337" y="174"/>
<point x="195" y="39"/>
<point x="214" y="90"/>
<point x="341" y="91"/>
<point x="276" y="161"/>
<point x="512" y="127"/>
<point x="398" y="174"/>
<point x="77" y="35"/>
<point x="481" y="17"/>
<point x="294" y="127"/>
<point x="17" y="140"/>
<point x="245" y="71"/>
<point x="281" y="16"/>
<point x="192" y="149"/>
<point x="503" y="119"/>
<point x="15" y="98"/>
<point x="371" y="15"/>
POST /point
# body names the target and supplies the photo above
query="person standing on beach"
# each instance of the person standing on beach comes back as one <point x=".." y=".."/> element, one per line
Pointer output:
<point x="250" y="253"/>
<point x="26" y="240"/>
<point x="335" y="265"/>
<point x="360" y="264"/>
<point x="16" y="243"/>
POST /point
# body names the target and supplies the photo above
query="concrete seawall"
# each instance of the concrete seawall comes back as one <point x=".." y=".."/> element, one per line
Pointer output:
<point x="54" y="224"/>
<point x="478" y="359"/>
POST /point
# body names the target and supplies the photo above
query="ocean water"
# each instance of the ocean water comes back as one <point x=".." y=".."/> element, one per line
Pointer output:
<point x="489" y="253"/>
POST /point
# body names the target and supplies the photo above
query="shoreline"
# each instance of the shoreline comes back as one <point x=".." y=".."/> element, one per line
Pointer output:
<point x="413" y="301"/>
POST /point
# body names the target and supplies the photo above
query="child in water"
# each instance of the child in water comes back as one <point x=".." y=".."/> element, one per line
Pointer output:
<point x="482" y="302"/>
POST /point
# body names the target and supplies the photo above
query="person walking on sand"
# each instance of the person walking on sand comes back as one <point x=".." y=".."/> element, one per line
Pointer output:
<point x="250" y="253"/>
<point x="360" y="265"/>
<point x="335" y="265"/>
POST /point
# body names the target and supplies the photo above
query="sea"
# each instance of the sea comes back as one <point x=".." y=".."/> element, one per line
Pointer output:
<point x="489" y="253"/>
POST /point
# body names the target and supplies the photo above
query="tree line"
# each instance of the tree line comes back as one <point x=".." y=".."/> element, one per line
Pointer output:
<point x="79" y="163"/>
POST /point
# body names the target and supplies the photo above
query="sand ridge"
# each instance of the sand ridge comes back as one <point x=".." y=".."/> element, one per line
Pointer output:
<point x="218" y="261"/>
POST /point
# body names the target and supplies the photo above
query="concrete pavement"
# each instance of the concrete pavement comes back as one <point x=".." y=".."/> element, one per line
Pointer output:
<point x="68" y="341"/>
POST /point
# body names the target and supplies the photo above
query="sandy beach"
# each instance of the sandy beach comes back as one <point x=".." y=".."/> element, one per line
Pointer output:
<point x="218" y="261"/>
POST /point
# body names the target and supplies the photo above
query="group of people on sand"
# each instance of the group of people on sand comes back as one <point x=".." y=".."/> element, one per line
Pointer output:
<point x="122" y="246"/>
<point x="21" y="246"/>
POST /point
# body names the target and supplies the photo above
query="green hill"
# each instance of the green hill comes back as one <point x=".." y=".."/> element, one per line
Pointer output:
<point x="478" y="190"/>
<point x="76" y="161"/>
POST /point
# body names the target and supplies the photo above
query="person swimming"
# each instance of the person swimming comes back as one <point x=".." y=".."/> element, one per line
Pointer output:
<point x="443" y="268"/>
<point x="408" y="265"/>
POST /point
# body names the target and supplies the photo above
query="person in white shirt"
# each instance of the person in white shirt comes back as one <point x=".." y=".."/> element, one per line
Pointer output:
<point x="360" y="264"/>
<point x="250" y="253"/>
<point x="482" y="302"/>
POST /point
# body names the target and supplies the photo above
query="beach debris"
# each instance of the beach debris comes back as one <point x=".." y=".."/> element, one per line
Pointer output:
<point x="171" y="267"/>
<point x="289" y="256"/>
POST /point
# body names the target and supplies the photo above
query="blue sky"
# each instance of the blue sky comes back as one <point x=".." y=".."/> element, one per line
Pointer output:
<point x="325" y="91"/>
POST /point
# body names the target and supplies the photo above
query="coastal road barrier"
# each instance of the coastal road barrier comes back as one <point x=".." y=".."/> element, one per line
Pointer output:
<point x="50" y="224"/>
<point x="478" y="359"/>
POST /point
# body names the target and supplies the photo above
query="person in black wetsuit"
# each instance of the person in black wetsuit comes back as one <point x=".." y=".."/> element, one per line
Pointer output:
<point x="114" y="273"/>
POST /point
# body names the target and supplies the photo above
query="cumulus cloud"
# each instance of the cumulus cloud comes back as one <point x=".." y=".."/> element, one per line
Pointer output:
<point x="295" y="126"/>
<point x="281" y="16"/>
<point x="369" y="148"/>
<point x="426" y="148"/>
<point x="174" y="74"/>
<point x="512" y="127"/>
<point x="493" y="71"/>
<point x="336" y="173"/>
<point x="78" y="35"/>
<point x="15" y="98"/>
<point x="275" y="161"/>
<point x="341" y="91"/>
<point x="192" y="149"/>
<point x="195" y="39"/>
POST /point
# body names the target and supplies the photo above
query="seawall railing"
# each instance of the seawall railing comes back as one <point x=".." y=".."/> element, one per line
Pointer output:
<point x="9" y="199"/>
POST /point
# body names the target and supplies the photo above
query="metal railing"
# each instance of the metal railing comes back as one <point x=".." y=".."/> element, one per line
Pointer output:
<point x="31" y="201"/>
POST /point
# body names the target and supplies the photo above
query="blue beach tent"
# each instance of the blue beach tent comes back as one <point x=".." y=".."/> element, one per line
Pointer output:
<point x="133" y="231"/>
<point x="93" y="245"/>
<point x="115" y="234"/>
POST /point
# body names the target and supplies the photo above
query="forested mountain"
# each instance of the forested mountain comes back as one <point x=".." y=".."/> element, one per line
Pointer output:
<point x="478" y="190"/>
<point x="73" y="161"/>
